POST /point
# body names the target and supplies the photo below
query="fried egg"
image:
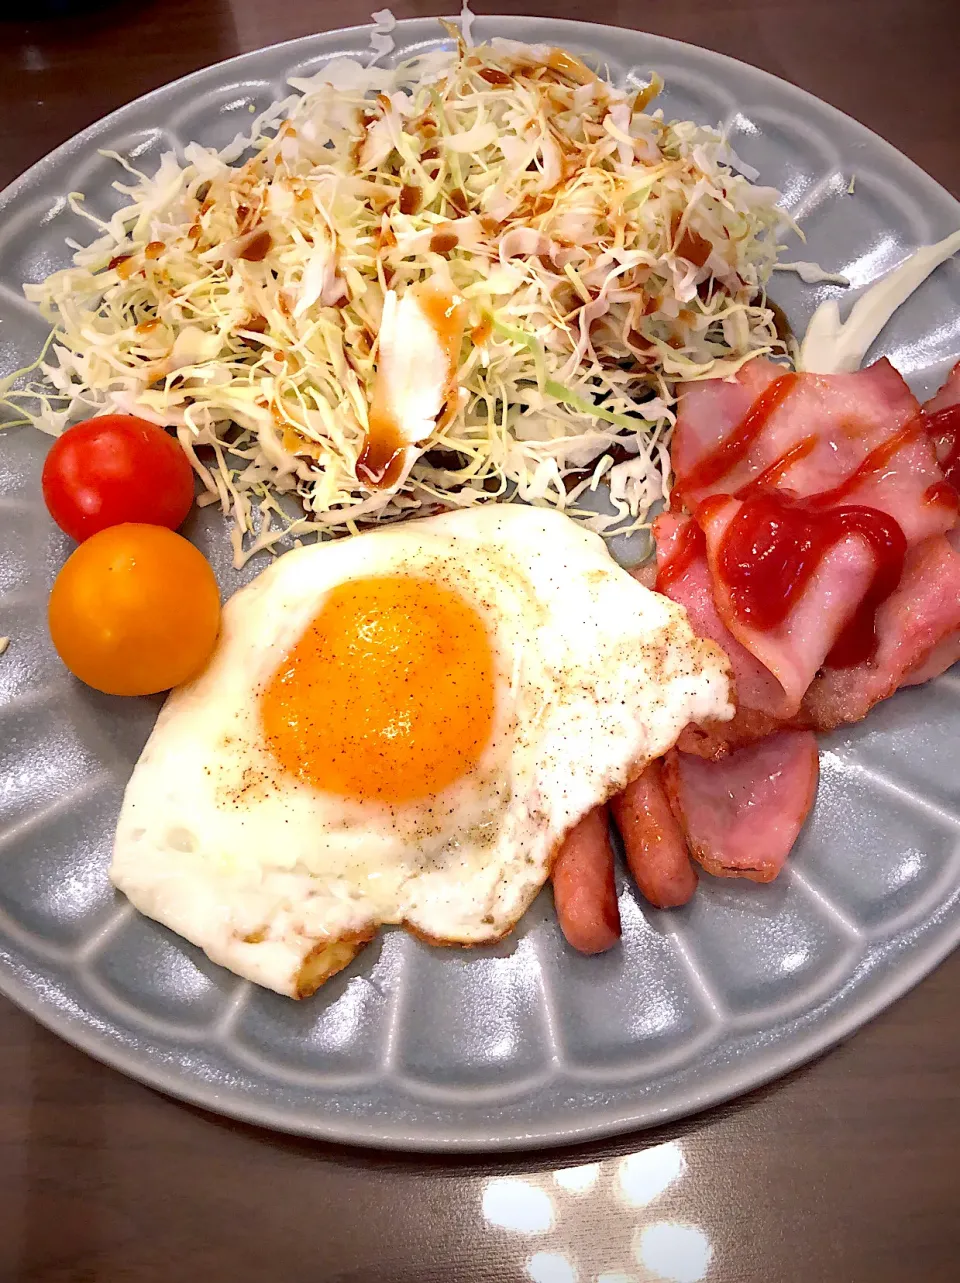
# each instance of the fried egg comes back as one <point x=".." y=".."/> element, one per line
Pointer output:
<point x="400" y="728"/>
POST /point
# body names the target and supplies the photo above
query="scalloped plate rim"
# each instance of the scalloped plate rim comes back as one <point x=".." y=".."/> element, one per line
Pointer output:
<point x="726" y="1083"/>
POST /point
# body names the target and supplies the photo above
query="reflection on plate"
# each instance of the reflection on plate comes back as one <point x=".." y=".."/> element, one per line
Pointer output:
<point x="522" y="1043"/>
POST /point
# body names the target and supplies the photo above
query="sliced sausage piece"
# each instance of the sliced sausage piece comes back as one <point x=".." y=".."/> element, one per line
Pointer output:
<point x="654" y="844"/>
<point x="583" y="886"/>
<point x="742" y="815"/>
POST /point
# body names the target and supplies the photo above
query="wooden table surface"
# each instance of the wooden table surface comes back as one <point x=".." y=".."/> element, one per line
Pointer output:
<point x="845" y="1172"/>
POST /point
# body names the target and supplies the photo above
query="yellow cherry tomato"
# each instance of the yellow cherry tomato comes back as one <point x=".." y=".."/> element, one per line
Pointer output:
<point x="135" y="610"/>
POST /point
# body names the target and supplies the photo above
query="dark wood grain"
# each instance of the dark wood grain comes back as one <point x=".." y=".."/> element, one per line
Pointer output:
<point x="845" y="1172"/>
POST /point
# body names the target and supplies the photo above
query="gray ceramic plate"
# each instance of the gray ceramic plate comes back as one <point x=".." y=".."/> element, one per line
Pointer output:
<point x="524" y="1044"/>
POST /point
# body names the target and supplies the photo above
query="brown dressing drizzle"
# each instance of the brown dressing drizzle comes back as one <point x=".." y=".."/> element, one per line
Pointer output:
<point x="256" y="249"/>
<point x="381" y="459"/>
<point x="646" y="95"/>
<point x="494" y="76"/>
<point x="480" y="333"/>
<point x="696" y="249"/>
<point x="782" y="327"/>
<point x="410" y="197"/>
<point x="255" y="325"/>
<point x="458" y="201"/>
<point x="569" y="65"/>
<point x="442" y="242"/>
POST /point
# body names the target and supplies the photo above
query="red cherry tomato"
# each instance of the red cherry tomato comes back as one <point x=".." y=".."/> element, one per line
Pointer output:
<point x="115" y="469"/>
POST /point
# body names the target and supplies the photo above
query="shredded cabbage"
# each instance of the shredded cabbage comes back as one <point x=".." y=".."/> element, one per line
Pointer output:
<point x="604" y="255"/>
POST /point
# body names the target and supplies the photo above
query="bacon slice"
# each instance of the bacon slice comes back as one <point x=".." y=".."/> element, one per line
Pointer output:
<point x="741" y="791"/>
<point x="742" y="815"/>
<point x="942" y="419"/>
<point x="849" y="414"/>
<point x="797" y="648"/>
<point x="838" y="441"/>
<point x="683" y="574"/>
<point x="949" y="394"/>
<point x="847" y="438"/>
<point x="707" y="415"/>
<point x="918" y="627"/>
<point x="943" y="656"/>
<point x="918" y="631"/>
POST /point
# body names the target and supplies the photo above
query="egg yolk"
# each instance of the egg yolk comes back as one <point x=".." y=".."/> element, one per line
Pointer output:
<point x="389" y="693"/>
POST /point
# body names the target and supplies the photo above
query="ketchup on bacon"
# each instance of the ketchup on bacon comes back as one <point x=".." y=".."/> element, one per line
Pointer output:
<point x="777" y="541"/>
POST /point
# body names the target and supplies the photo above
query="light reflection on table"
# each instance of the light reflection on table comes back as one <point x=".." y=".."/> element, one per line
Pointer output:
<point x="642" y="1240"/>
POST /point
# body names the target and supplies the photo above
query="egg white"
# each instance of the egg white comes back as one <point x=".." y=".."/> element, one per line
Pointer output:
<point x="595" y="675"/>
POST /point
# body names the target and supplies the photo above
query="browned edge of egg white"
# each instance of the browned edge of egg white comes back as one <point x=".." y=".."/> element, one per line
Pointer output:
<point x="304" y="985"/>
